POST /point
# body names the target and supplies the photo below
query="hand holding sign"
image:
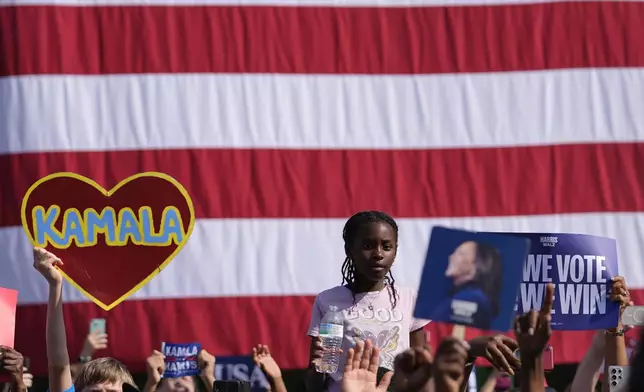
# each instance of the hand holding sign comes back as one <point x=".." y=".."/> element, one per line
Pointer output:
<point x="206" y="363"/>
<point x="12" y="362"/>
<point x="533" y="328"/>
<point x="155" y="368"/>
<point x="619" y="293"/>
<point x="46" y="263"/>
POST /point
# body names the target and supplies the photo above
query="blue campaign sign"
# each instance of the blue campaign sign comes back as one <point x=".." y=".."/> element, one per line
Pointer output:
<point x="581" y="267"/>
<point x="241" y="368"/>
<point x="471" y="278"/>
<point x="180" y="359"/>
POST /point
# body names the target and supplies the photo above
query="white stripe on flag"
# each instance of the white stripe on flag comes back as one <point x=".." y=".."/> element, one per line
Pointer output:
<point x="245" y="257"/>
<point x="325" y="112"/>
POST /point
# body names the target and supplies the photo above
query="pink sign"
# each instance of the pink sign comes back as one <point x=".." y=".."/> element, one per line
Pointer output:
<point x="8" y="303"/>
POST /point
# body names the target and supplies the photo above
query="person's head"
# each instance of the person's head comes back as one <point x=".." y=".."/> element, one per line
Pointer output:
<point x="474" y="262"/>
<point x="104" y="375"/>
<point x="179" y="384"/>
<point x="370" y="245"/>
<point x="471" y="260"/>
<point x="462" y="262"/>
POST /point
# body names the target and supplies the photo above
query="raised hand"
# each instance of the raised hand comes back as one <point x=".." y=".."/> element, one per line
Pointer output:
<point x="619" y="293"/>
<point x="206" y="362"/>
<point x="498" y="350"/>
<point x="45" y="262"/>
<point x="412" y="370"/>
<point x="263" y="358"/>
<point x="12" y="362"/>
<point x="95" y="341"/>
<point x="361" y="370"/>
<point x="533" y="328"/>
<point x="155" y="365"/>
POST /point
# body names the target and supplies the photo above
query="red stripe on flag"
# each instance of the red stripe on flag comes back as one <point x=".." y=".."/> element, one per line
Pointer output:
<point x="257" y="183"/>
<point x="166" y="39"/>
<point x="226" y="326"/>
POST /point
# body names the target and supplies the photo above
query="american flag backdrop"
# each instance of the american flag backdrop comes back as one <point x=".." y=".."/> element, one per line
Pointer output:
<point x="283" y="118"/>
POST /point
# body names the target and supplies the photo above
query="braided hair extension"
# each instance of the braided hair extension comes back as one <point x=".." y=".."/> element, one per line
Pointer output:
<point x="349" y="234"/>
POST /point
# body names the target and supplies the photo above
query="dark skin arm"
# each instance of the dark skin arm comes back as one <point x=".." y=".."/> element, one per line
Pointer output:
<point x="417" y="338"/>
<point x="12" y="362"/>
<point x="467" y="370"/>
<point x="533" y="330"/>
<point x="532" y="376"/>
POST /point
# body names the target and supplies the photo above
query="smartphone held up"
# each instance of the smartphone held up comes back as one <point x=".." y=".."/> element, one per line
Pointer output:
<point x="97" y="326"/>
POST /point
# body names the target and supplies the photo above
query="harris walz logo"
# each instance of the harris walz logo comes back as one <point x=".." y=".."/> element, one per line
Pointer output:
<point x="549" y="241"/>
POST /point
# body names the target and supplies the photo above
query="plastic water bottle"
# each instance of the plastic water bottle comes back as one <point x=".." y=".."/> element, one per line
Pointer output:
<point x="331" y="333"/>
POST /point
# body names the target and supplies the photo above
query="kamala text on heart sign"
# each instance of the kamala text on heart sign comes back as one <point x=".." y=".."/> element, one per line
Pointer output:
<point x="111" y="242"/>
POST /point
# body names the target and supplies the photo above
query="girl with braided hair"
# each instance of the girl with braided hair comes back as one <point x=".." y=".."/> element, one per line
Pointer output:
<point x="373" y="306"/>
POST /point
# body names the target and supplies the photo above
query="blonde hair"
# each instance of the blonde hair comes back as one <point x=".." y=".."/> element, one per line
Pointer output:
<point x="102" y="370"/>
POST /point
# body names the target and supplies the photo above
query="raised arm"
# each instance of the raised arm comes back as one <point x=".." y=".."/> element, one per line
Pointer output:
<point x="60" y="376"/>
<point x="615" y="344"/>
<point x="263" y="358"/>
<point x="533" y="331"/>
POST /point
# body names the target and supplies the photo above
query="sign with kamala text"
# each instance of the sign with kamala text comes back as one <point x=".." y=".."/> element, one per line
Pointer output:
<point x="112" y="242"/>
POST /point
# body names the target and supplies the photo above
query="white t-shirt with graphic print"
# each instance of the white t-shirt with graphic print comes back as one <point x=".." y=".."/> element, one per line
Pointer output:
<point x="388" y="328"/>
